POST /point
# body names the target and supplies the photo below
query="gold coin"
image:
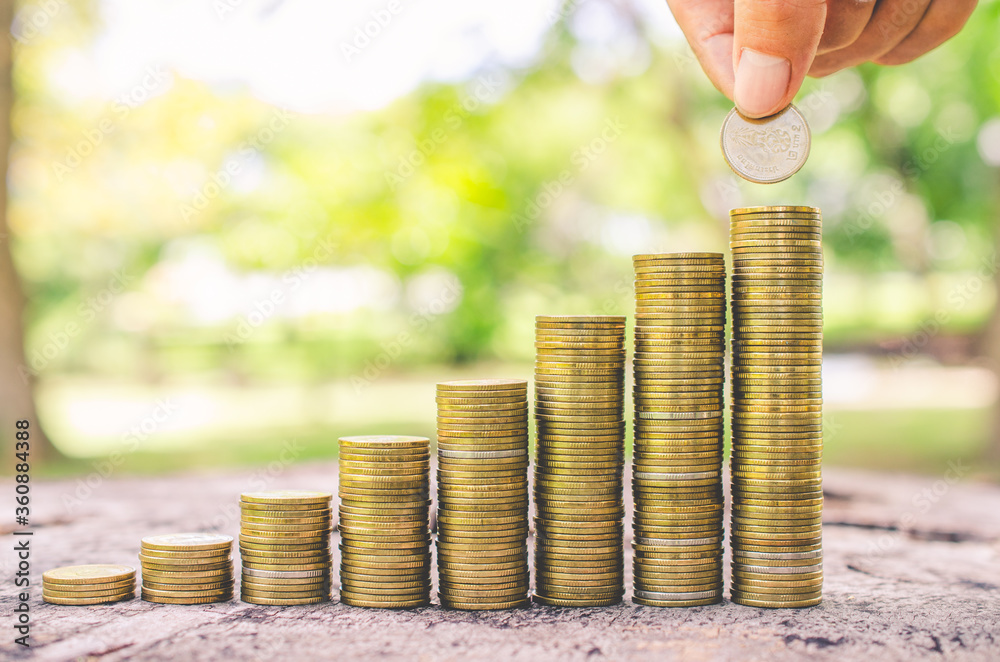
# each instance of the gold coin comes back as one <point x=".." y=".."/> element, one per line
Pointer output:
<point x="753" y="584"/>
<point x="284" y="509"/>
<point x="288" y="567"/>
<point x="86" y="588"/>
<point x="503" y="436"/>
<point x="481" y="402"/>
<point x="368" y="456"/>
<point x="482" y="385"/>
<point x="51" y="592"/>
<point x="185" y="601"/>
<point x="378" y="512"/>
<point x="486" y="577"/>
<point x="598" y="601"/>
<point x="185" y="576"/>
<point x="285" y="590"/>
<point x="378" y="567"/>
<point x="750" y="600"/>
<point x="391" y="555"/>
<point x="277" y="547"/>
<point x="210" y="563"/>
<point x="87" y="601"/>
<point x="366" y="593"/>
<point x="250" y="592"/>
<point x="686" y="258"/>
<point x="177" y="567"/>
<point x="323" y="522"/>
<point x="89" y="574"/>
<point x="453" y="594"/>
<point x="397" y="590"/>
<point x="225" y="592"/>
<point x="774" y="211"/>
<point x="185" y="558"/>
<point x="285" y="559"/>
<point x="491" y="410"/>
<point x="391" y="575"/>
<point x="740" y="574"/>
<point x="252" y="599"/>
<point x="279" y="497"/>
<point x="613" y="320"/>
<point x="258" y="533"/>
<point x="215" y="586"/>
<point x="187" y="542"/>
<point x="399" y="443"/>
<point x="388" y="603"/>
<point x="668" y="573"/>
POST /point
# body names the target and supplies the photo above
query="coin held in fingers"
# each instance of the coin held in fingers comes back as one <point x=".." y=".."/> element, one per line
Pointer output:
<point x="767" y="150"/>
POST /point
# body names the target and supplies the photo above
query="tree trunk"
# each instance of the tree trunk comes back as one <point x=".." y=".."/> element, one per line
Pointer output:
<point x="989" y="349"/>
<point x="16" y="382"/>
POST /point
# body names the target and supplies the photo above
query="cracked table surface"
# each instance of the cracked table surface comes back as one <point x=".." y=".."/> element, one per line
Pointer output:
<point x="912" y="571"/>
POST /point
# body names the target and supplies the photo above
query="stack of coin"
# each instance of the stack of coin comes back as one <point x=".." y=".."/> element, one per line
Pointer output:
<point x="580" y="416"/>
<point x="88" y="584"/>
<point x="285" y="547"/>
<point x="482" y="522"/>
<point x="679" y="368"/>
<point x="777" y="406"/>
<point x="187" y="568"/>
<point x="384" y="529"/>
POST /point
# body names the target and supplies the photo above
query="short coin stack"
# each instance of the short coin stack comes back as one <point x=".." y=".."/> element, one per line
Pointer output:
<point x="483" y="493"/>
<point x="187" y="568"/>
<point x="777" y="406"/>
<point x="579" y="413"/>
<point x="384" y="528"/>
<point x="88" y="584"/>
<point x="679" y="366"/>
<point x="285" y="546"/>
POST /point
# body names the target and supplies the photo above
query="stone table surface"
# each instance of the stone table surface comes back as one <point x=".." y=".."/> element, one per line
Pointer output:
<point x="912" y="567"/>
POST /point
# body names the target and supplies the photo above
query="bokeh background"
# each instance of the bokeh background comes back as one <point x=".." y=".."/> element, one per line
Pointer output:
<point x="242" y="228"/>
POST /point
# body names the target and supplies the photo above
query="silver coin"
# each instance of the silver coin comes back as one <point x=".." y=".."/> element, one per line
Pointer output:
<point x="768" y="150"/>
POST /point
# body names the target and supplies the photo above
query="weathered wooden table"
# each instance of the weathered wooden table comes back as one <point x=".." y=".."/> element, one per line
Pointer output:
<point x="912" y="572"/>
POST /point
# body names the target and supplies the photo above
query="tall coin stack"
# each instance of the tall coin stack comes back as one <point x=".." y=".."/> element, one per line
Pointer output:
<point x="96" y="584"/>
<point x="187" y="568"/>
<point x="285" y="545"/>
<point x="777" y="408"/>
<point x="385" y="555"/>
<point x="579" y="413"/>
<point x="679" y="368"/>
<point x="483" y="493"/>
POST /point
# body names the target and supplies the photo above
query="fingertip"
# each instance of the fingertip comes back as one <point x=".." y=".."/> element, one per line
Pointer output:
<point x="717" y="61"/>
<point x="762" y="83"/>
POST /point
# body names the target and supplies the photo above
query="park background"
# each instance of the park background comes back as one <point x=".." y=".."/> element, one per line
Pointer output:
<point x="238" y="229"/>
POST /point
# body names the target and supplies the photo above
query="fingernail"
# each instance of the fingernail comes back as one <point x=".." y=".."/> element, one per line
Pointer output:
<point x="761" y="83"/>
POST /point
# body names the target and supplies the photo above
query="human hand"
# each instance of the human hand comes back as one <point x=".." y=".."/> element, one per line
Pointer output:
<point x="757" y="52"/>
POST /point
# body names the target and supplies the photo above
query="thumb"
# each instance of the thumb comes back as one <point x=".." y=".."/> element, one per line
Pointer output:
<point x="774" y="44"/>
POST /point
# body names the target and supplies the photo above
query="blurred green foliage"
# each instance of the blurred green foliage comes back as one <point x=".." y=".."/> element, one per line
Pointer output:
<point x="505" y="182"/>
<point x="189" y="233"/>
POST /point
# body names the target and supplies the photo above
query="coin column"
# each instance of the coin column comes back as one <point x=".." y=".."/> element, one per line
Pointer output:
<point x="579" y="412"/>
<point x="384" y="528"/>
<point x="679" y="367"/>
<point x="777" y="406"/>
<point x="88" y="584"/>
<point x="482" y="522"/>
<point x="285" y="547"/>
<point x="187" y="568"/>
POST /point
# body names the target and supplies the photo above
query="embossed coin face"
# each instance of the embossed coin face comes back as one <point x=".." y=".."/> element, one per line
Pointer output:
<point x="768" y="150"/>
<point x="188" y="541"/>
<point x="88" y="574"/>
